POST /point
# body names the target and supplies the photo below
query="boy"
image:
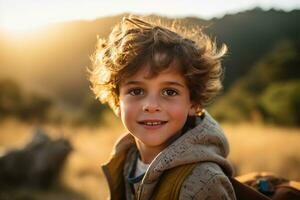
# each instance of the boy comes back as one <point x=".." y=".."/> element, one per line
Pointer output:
<point x="158" y="79"/>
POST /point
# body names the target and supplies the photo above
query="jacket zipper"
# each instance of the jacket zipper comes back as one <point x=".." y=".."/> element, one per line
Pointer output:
<point x="139" y="191"/>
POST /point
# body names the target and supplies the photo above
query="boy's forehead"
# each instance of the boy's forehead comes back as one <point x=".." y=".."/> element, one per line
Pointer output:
<point x="147" y="71"/>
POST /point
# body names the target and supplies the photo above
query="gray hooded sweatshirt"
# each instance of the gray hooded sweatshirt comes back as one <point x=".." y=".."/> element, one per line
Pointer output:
<point x="204" y="144"/>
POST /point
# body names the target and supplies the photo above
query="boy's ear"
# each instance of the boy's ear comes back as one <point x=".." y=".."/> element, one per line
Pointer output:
<point x="118" y="111"/>
<point x="193" y="109"/>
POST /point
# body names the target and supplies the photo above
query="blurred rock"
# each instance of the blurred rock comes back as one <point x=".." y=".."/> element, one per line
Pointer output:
<point x="37" y="164"/>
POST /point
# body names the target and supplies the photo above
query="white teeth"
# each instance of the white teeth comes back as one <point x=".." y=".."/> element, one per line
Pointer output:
<point x="153" y="123"/>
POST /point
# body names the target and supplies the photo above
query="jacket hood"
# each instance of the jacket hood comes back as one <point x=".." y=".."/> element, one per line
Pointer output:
<point x="205" y="142"/>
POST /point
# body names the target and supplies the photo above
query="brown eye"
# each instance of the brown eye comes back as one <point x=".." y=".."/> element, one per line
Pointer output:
<point x="169" y="92"/>
<point x="136" y="92"/>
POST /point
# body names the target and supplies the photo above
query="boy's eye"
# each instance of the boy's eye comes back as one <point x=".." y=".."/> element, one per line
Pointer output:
<point x="169" y="92"/>
<point x="136" y="91"/>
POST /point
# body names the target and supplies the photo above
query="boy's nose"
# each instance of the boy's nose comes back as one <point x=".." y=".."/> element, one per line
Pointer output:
<point x="151" y="105"/>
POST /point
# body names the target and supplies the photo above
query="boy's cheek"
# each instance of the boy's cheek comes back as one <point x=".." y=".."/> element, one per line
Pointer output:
<point x="123" y="109"/>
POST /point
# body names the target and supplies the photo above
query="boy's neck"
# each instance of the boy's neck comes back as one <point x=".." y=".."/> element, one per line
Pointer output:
<point x="148" y="153"/>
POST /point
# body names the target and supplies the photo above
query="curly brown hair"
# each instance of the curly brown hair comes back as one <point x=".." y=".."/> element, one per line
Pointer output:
<point x="135" y="42"/>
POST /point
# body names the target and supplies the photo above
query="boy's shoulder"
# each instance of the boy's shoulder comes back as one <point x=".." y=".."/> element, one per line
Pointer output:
<point x="206" y="178"/>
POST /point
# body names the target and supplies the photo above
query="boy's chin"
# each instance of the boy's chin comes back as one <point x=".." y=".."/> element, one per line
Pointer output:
<point x="151" y="143"/>
<point x="154" y="142"/>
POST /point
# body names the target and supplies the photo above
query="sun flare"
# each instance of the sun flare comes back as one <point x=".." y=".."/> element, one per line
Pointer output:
<point x="21" y="27"/>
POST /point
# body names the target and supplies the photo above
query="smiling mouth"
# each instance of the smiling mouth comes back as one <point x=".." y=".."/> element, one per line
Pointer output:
<point x="152" y="123"/>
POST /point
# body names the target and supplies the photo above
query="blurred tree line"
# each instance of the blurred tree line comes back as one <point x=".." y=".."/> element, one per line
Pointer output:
<point x="36" y="108"/>
<point x="270" y="91"/>
<point x="29" y="107"/>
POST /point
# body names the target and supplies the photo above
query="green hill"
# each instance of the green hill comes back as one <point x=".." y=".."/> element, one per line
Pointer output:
<point x="270" y="90"/>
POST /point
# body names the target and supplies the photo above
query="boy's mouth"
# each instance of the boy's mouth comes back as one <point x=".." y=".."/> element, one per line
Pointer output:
<point x="152" y="122"/>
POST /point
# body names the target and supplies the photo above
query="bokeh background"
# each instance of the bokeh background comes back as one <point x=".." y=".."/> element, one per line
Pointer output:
<point x="54" y="134"/>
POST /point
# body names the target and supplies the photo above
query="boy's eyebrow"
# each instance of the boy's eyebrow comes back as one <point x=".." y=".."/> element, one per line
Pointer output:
<point x="175" y="83"/>
<point x="133" y="82"/>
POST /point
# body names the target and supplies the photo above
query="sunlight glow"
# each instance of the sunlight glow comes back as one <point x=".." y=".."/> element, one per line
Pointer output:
<point x="20" y="16"/>
<point x="19" y="27"/>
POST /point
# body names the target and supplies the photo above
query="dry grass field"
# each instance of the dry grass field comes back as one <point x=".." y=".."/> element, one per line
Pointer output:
<point x="254" y="147"/>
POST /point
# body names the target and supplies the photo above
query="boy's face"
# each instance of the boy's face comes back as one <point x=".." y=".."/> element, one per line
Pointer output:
<point x="155" y="109"/>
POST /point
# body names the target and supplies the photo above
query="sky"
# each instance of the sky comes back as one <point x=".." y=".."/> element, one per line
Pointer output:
<point x="26" y="15"/>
